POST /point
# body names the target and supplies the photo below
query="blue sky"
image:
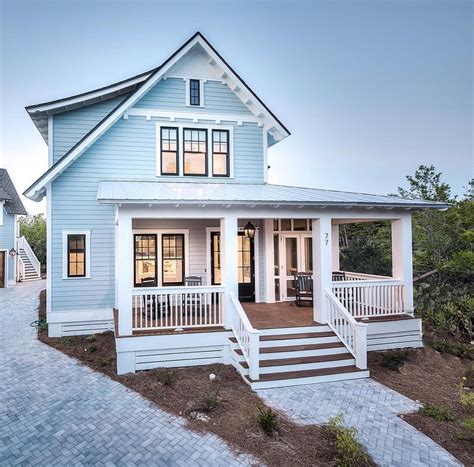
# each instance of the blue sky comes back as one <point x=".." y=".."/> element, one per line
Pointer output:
<point x="369" y="89"/>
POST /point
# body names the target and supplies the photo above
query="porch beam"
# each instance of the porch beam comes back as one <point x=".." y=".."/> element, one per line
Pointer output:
<point x="124" y="272"/>
<point x="402" y="265"/>
<point x="322" y="266"/>
<point x="269" y="261"/>
<point x="229" y="234"/>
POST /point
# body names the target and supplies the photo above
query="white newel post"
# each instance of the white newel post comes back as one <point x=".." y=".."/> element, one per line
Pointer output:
<point x="229" y="263"/>
<point x="402" y="265"/>
<point x="322" y="256"/>
<point x="361" y="346"/>
<point x="269" y="262"/>
<point x="335" y="247"/>
<point x="124" y="273"/>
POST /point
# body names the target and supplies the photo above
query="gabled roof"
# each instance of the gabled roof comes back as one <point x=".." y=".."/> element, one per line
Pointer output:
<point x="136" y="87"/>
<point x="8" y="194"/>
<point x="137" y="192"/>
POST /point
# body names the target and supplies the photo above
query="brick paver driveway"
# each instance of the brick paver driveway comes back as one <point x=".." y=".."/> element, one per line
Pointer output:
<point x="372" y="408"/>
<point x="53" y="411"/>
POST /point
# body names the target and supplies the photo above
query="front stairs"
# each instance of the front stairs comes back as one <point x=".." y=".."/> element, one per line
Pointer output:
<point x="298" y="355"/>
<point x="30" y="273"/>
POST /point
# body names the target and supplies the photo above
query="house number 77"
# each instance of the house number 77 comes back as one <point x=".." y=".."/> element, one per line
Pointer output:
<point x="326" y="238"/>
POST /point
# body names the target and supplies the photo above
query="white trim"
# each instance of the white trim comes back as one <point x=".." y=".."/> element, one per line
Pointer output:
<point x="50" y="141"/>
<point x="2" y="203"/>
<point x="36" y="191"/>
<point x="188" y="96"/>
<point x="87" y="233"/>
<point x="49" y="260"/>
<point x="80" y="315"/>
<point x="180" y="127"/>
<point x="6" y="279"/>
<point x="159" y="249"/>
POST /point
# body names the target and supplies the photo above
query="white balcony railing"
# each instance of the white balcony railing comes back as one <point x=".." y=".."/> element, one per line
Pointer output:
<point x="156" y="308"/>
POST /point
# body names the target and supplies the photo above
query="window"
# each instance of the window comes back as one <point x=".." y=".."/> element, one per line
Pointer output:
<point x="220" y="153"/>
<point x="145" y="260"/>
<point x="194" y="92"/>
<point x="173" y="259"/>
<point x="169" y="151"/>
<point x="299" y="224"/>
<point x="195" y="152"/>
<point x="76" y="255"/>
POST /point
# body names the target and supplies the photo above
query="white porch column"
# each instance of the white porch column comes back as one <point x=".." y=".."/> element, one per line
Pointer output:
<point x="335" y="247"/>
<point x="269" y="262"/>
<point x="229" y="261"/>
<point x="322" y="255"/>
<point x="124" y="272"/>
<point x="402" y="263"/>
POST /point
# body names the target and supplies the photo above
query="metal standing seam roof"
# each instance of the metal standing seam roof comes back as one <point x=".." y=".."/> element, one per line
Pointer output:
<point x="8" y="193"/>
<point x="243" y="193"/>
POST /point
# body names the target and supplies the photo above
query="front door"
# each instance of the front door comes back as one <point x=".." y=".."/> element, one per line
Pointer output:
<point x="3" y="273"/>
<point x="296" y="252"/>
<point x="245" y="265"/>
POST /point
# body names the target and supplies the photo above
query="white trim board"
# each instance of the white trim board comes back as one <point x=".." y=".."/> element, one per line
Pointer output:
<point x="6" y="279"/>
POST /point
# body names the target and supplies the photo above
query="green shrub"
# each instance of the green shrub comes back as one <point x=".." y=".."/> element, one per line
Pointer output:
<point x="468" y="424"/>
<point x="210" y="401"/>
<point x="267" y="420"/>
<point x="92" y="349"/>
<point x="68" y="341"/>
<point x="466" y="397"/>
<point x="453" y="348"/>
<point x="394" y="359"/>
<point x="167" y="377"/>
<point x="438" y="412"/>
<point x="349" y="453"/>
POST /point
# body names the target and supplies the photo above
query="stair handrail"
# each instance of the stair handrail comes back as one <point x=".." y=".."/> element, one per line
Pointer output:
<point x="352" y="333"/>
<point x="23" y="244"/>
<point x="21" y="269"/>
<point x="248" y="338"/>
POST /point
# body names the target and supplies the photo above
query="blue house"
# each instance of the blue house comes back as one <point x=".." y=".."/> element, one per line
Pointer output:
<point x="162" y="227"/>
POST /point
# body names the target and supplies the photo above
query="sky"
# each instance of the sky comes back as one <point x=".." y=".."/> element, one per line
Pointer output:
<point x="369" y="89"/>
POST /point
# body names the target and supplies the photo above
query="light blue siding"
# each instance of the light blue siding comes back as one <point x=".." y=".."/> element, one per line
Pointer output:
<point x="170" y="94"/>
<point x="7" y="241"/>
<point x="70" y="127"/>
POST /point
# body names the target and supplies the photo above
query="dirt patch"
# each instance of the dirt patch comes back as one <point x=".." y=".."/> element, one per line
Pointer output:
<point x="432" y="378"/>
<point x="225" y="406"/>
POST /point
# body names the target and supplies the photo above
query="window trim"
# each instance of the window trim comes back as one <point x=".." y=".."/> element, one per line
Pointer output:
<point x="188" y="92"/>
<point x="206" y="160"/>
<point x="161" y="151"/>
<point x="198" y="88"/>
<point x="87" y="234"/>
<point x="135" y="257"/>
<point x="194" y="126"/>
<point x="227" y="159"/>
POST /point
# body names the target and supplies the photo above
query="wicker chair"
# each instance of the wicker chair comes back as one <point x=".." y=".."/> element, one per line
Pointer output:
<point x="303" y="287"/>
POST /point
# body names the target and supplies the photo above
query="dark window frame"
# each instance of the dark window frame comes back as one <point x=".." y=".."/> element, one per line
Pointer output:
<point x="177" y="150"/>
<point x="195" y="92"/>
<point x="183" y="259"/>
<point x="76" y="250"/>
<point x="155" y="236"/>
<point x="227" y="154"/>
<point x="206" y="154"/>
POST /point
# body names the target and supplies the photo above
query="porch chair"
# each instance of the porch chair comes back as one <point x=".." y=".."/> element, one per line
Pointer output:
<point x="338" y="276"/>
<point x="191" y="302"/>
<point x="303" y="287"/>
<point x="153" y="306"/>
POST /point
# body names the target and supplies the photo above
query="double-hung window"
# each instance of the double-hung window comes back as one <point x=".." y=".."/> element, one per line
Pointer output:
<point x="145" y="260"/>
<point x="195" y="152"/>
<point x="169" y="151"/>
<point x="172" y="259"/>
<point x="220" y="153"/>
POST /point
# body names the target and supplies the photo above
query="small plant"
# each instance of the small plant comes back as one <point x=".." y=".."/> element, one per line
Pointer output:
<point x="466" y="397"/>
<point x="68" y="341"/>
<point x="167" y="377"/>
<point x="468" y="424"/>
<point x="394" y="359"/>
<point x="267" y="418"/>
<point x="91" y="338"/>
<point x="210" y="401"/>
<point x="349" y="452"/>
<point x="92" y="349"/>
<point x="438" y="412"/>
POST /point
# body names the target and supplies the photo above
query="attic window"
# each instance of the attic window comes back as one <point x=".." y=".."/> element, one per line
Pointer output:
<point x="194" y="92"/>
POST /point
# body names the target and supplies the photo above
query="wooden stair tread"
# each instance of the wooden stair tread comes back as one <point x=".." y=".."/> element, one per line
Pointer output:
<point x="303" y="335"/>
<point x="302" y="360"/>
<point x="305" y="373"/>
<point x="296" y="348"/>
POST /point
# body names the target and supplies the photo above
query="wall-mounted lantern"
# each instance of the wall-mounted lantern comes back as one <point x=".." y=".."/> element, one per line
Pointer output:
<point x="249" y="230"/>
<point x="12" y="252"/>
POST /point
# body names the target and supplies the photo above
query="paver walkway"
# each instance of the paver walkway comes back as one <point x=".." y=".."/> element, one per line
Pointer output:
<point x="370" y="407"/>
<point x="54" y="411"/>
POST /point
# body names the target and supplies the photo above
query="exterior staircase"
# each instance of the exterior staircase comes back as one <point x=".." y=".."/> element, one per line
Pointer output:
<point x="29" y="268"/>
<point x="296" y="356"/>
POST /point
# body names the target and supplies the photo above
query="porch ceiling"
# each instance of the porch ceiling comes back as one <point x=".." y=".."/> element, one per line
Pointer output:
<point x="141" y="192"/>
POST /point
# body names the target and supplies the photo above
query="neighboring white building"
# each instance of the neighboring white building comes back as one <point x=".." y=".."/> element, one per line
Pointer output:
<point x="162" y="226"/>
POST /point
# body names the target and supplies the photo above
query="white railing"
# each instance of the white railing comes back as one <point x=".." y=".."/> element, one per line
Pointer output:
<point x="370" y="298"/>
<point x="352" y="334"/>
<point x="22" y="244"/>
<point x="21" y="269"/>
<point x="248" y="338"/>
<point x="155" y="308"/>
<point x="358" y="276"/>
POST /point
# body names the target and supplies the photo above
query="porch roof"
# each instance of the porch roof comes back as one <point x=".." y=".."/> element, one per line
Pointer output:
<point x="137" y="192"/>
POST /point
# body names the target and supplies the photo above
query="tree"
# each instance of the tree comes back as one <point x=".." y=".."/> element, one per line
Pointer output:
<point x="33" y="228"/>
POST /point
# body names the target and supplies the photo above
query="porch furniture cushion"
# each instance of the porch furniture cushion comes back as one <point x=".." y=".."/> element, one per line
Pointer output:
<point x="303" y="287"/>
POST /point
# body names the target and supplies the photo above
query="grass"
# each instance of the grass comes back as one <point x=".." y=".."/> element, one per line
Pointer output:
<point x="438" y="412"/>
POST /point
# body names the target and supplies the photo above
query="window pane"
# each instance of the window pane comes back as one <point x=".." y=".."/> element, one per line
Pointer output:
<point x="299" y="224"/>
<point x="275" y="224"/>
<point x="194" y="164"/>
<point x="169" y="151"/>
<point x="291" y="256"/>
<point x="220" y="152"/>
<point x="285" y="224"/>
<point x="168" y="163"/>
<point x="308" y="252"/>
<point x="76" y="255"/>
<point x="145" y="260"/>
<point x="219" y="164"/>
<point x="276" y="253"/>
<point x="173" y="259"/>
<point x="195" y="152"/>
<point x="194" y="92"/>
